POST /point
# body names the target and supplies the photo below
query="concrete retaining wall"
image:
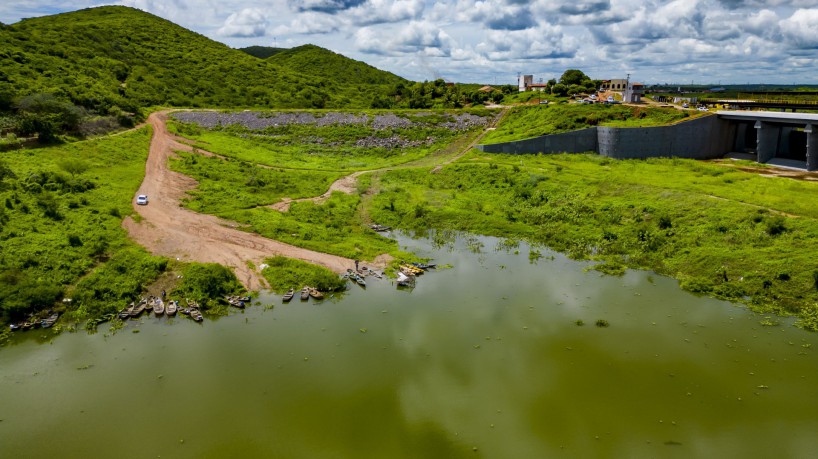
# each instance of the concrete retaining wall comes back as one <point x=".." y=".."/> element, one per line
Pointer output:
<point x="702" y="138"/>
<point x="580" y="141"/>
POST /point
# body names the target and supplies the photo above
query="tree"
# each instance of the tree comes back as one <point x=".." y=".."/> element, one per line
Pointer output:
<point x="573" y="76"/>
<point x="73" y="166"/>
<point x="559" y="89"/>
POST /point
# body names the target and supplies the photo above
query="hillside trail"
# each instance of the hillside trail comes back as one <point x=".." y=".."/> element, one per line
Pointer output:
<point x="166" y="228"/>
<point x="348" y="183"/>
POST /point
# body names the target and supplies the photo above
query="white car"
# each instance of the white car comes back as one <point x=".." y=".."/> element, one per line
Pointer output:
<point x="703" y="109"/>
<point x="142" y="200"/>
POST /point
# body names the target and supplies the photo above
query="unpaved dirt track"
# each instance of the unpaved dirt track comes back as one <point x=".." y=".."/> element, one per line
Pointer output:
<point x="170" y="230"/>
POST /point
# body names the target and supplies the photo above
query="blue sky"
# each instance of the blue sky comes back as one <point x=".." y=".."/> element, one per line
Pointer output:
<point x="490" y="41"/>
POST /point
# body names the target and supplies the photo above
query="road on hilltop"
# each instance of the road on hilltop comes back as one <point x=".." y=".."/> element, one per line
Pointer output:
<point x="168" y="229"/>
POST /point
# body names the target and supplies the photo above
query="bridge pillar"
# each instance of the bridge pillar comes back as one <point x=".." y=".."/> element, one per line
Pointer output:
<point x="812" y="147"/>
<point x="766" y="141"/>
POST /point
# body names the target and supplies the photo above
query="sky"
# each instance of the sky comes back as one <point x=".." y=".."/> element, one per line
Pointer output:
<point x="492" y="41"/>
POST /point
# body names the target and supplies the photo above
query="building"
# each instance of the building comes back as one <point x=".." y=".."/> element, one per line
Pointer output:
<point x="631" y="92"/>
<point x="524" y="81"/>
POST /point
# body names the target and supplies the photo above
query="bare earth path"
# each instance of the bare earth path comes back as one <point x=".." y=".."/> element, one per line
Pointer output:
<point x="167" y="229"/>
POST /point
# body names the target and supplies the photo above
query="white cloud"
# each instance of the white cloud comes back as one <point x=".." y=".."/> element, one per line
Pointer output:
<point x="249" y="22"/>
<point x="801" y="29"/>
<point x="749" y="40"/>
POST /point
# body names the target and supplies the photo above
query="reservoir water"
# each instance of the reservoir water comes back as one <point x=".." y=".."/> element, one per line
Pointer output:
<point x="483" y="359"/>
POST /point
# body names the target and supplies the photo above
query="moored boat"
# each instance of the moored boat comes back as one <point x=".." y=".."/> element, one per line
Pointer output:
<point x="50" y="320"/>
<point x="195" y="314"/>
<point x="139" y="308"/>
<point x="288" y="296"/>
<point x="126" y="311"/>
<point x="316" y="294"/>
<point x="158" y="306"/>
<point x="172" y="307"/>
<point x="305" y="293"/>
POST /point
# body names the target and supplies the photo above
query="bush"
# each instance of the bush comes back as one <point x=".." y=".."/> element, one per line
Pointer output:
<point x="207" y="283"/>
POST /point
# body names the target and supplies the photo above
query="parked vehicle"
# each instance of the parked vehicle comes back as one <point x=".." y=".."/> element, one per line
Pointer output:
<point x="142" y="200"/>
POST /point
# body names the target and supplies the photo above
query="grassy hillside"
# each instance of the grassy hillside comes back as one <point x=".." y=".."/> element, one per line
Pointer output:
<point x="261" y="52"/>
<point x="111" y="58"/>
<point x="313" y="60"/>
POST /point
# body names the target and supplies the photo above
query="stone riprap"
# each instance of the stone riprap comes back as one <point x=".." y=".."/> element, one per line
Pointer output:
<point x="262" y="120"/>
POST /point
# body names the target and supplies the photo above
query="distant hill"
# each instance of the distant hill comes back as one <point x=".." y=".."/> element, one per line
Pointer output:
<point x="118" y="58"/>
<point x="262" y="52"/>
<point x="314" y="60"/>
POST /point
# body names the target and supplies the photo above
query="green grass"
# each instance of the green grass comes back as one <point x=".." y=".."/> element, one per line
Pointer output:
<point x="714" y="228"/>
<point x="61" y="234"/>
<point x="537" y="120"/>
<point x="285" y="273"/>
<point x="227" y="184"/>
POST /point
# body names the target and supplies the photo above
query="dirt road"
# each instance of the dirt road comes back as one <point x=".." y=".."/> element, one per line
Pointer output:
<point x="167" y="229"/>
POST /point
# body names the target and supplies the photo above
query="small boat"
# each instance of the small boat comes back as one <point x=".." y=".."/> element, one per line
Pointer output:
<point x="405" y="280"/>
<point x="50" y="320"/>
<point x="195" y="314"/>
<point x="305" y="293"/>
<point x="126" y="311"/>
<point x="360" y="280"/>
<point x="139" y="308"/>
<point x="424" y="266"/>
<point x="380" y="228"/>
<point x="158" y="306"/>
<point x="316" y="294"/>
<point x="236" y="301"/>
<point x="28" y="324"/>
<point x="288" y="296"/>
<point x="410" y="270"/>
<point x="173" y="306"/>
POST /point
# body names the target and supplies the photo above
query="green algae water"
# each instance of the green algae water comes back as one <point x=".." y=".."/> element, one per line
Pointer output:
<point x="484" y="359"/>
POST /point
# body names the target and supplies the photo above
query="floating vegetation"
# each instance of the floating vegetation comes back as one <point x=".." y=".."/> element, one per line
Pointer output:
<point x="579" y="322"/>
<point x="602" y="323"/>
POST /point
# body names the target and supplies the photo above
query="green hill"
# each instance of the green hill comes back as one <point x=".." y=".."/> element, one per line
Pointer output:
<point x="114" y="57"/>
<point x="314" y="60"/>
<point x="262" y="52"/>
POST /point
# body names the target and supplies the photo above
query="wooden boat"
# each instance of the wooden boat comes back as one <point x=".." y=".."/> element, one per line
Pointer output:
<point x="158" y="306"/>
<point x="316" y="294"/>
<point x="126" y="311"/>
<point x="195" y="314"/>
<point x="305" y="293"/>
<point x="424" y="266"/>
<point x="236" y="301"/>
<point x="50" y="320"/>
<point x="139" y="308"/>
<point x="409" y="269"/>
<point x="173" y="306"/>
<point x="288" y="296"/>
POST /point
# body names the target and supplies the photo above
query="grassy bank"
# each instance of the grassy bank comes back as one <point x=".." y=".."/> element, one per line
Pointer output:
<point x="537" y="120"/>
<point x="720" y="231"/>
<point x="61" y="211"/>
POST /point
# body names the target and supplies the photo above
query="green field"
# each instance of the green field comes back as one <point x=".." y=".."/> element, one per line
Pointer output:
<point x="60" y="227"/>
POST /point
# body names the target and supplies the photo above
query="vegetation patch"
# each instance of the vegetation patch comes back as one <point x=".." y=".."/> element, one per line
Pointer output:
<point x="286" y="273"/>
<point x="525" y="122"/>
<point x="61" y="211"/>
<point x="208" y="284"/>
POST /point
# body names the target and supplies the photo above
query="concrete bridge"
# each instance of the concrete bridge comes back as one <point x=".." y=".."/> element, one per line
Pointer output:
<point x="762" y="136"/>
<point x="769" y="135"/>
